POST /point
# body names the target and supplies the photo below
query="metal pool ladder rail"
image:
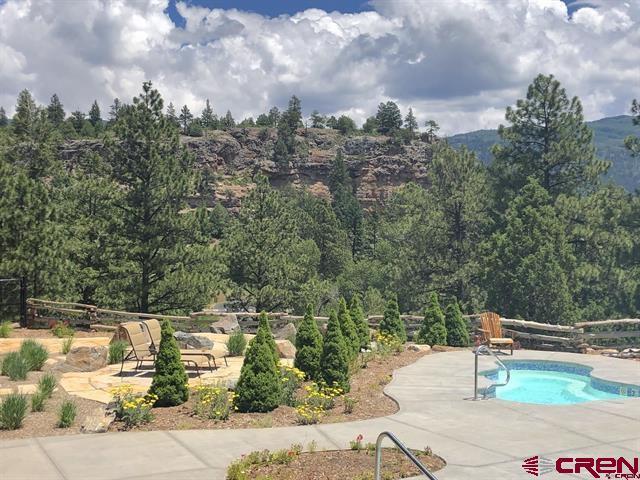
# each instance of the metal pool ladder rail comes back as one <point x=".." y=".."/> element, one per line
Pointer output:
<point x="403" y="449"/>
<point x="485" y="348"/>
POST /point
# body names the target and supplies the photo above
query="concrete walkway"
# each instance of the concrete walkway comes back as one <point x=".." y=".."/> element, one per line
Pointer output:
<point x="481" y="440"/>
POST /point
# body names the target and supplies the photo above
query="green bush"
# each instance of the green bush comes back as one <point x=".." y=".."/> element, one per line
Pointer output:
<point x="309" y="347"/>
<point x="5" y="329"/>
<point x="348" y="329"/>
<point x="13" y="409"/>
<point x="34" y="353"/>
<point x="47" y="384"/>
<point x="391" y="322"/>
<point x="433" y="330"/>
<point x="259" y="388"/>
<point x="117" y="351"/>
<point x="335" y="358"/>
<point x="170" y="379"/>
<point x="62" y="330"/>
<point x="15" y="366"/>
<point x="457" y="331"/>
<point x="236" y="344"/>
<point x="38" y="400"/>
<point x="361" y="322"/>
<point x="67" y="414"/>
<point x="67" y="343"/>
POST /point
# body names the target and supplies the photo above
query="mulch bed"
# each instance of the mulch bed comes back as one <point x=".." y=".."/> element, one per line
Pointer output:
<point x="43" y="424"/>
<point x="367" y="387"/>
<point x="354" y="465"/>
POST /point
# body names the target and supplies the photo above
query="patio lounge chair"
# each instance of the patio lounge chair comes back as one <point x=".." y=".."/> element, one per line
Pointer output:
<point x="140" y="351"/>
<point x="197" y="357"/>
<point x="491" y="328"/>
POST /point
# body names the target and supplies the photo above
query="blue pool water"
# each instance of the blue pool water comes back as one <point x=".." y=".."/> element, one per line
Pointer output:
<point x="555" y="383"/>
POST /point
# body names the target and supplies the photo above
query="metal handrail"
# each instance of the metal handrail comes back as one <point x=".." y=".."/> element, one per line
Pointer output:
<point x="485" y="348"/>
<point x="404" y="450"/>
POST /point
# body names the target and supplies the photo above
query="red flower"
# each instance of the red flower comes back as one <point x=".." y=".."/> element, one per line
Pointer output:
<point x="359" y="438"/>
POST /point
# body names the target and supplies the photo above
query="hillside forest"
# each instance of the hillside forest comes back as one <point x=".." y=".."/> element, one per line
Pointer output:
<point x="536" y="233"/>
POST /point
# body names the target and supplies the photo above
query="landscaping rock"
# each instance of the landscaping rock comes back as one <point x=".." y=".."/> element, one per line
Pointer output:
<point x="87" y="359"/>
<point x="97" y="422"/>
<point x="189" y="340"/>
<point x="286" y="332"/>
<point x="609" y="351"/>
<point x="441" y="348"/>
<point x="419" y="348"/>
<point x="228" y="324"/>
<point x="285" y="349"/>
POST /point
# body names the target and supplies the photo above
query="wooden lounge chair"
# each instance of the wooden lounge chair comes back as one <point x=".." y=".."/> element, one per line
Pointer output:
<point x="140" y="351"/>
<point x="492" y="331"/>
<point x="196" y="357"/>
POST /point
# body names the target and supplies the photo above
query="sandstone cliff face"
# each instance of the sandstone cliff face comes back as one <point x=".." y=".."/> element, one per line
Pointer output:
<point x="229" y="160"/>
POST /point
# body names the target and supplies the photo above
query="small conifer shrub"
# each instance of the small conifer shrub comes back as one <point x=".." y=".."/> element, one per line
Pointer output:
<point x="433" y="330"/>
<point x="335" y="356"/>
<point x="309" y="347"/>
<point x="170" y="378"/>
<point x="457" y="331"/>
<point x="391" y="323"/>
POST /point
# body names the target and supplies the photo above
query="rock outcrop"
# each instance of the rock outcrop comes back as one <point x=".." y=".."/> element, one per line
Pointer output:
<point x="230" y="159"/>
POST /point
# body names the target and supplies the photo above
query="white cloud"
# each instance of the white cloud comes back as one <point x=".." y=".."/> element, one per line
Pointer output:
<point x="457" y="62"/>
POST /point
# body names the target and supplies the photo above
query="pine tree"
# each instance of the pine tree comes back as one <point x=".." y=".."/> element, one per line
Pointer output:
<point x="309" y="347"/>
<point x="208" y="118"/>
<point x="370" y="126"/>
<point x="4" y="121"/>
<point x="348" y="329"/>
<point x="172" y="116"/>
<point x="268" y="262"/>
<point x="391" y="323"/>
<point x="185" y="119"/>
<point x="529" y="261"/>
<point x="547" y="139"/>
<point x="77" y="120"/>
<point x="114" y="110"/>
<point x="167" y="267"/>
<point x="432" y="130"/>
<point x="55" y="111"/>
<point x="170" y="378"/>
<point x="346" y="125"/>
<point x="317" y="120"/>
<point x="227" y="122"/>
<point x="345" y="204"/>
<point x="457" y="331"/>
<point x="335" y="356"/>
<point x="94" y="115"/>
<point x="410" y="123"/>
<point x="433" y="330"/>
<point x="25" y="117"/>
<point x="259" y="387"/>
<point x="362" y="325"/>
<point x="388" y="118"/>
<point x="274" y="117"/>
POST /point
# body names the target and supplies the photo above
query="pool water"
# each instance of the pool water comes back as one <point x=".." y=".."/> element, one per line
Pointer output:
<point x="555" y="383"/>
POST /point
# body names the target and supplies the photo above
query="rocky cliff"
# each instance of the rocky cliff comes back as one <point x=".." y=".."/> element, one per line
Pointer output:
<point x="229" y="160"/>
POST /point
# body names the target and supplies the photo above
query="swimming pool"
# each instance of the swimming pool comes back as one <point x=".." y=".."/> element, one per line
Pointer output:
<point x="555" y="383"/>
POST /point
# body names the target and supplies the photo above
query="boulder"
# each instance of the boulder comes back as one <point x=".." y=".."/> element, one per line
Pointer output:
<point x="87" y="359"/>
<point x="285" y="349"/>
<point x="227" y="324"/>
<point x="419" y="348"/>
<point x="287" y="332"/>
<point x="609" y="351"/>
<point x="97" y="421"/>
<point x="189" y="340"/>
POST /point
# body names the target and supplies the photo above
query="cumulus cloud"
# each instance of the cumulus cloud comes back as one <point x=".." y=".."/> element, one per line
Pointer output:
<point x="459" y="63"/>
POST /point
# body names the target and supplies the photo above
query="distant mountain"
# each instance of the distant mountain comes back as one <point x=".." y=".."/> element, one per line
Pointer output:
<point x="609" y="134"/>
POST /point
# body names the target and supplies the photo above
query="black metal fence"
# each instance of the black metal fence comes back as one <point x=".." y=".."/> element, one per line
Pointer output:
<point x="13" y="300"/>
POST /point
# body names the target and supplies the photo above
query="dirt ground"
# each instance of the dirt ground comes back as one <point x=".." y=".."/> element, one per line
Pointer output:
<point x="354" y="465"/>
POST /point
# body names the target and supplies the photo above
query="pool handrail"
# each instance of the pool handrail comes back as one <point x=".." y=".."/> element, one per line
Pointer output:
<point x="478" y="350"/>
<point x="402" y="447"/>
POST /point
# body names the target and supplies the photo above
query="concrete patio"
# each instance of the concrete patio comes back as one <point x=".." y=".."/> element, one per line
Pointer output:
<point x="485" y="439"/>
